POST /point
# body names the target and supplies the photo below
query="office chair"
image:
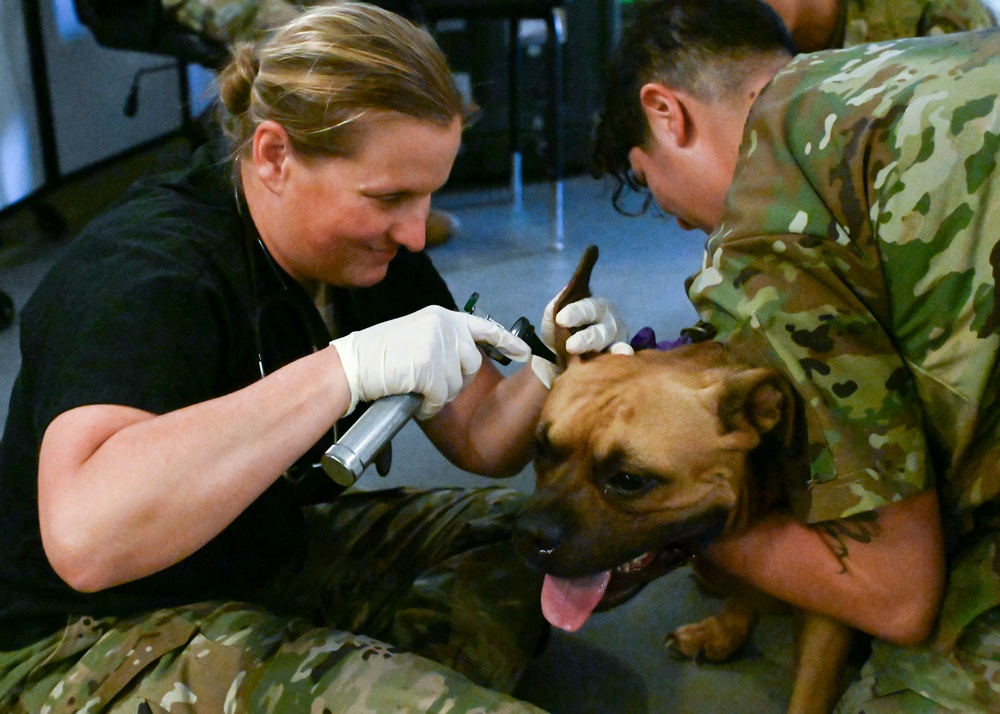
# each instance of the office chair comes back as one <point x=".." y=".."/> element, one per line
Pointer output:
<point x="144" y="26"/>
<point x="514" y="11"/>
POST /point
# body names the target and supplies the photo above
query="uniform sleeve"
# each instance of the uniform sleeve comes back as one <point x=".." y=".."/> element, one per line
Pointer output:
<point x="787" y="295"/>
<point x="794" y="269"/>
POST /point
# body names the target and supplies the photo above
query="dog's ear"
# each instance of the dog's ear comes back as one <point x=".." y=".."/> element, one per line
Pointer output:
<point x="577" y="289"/>
<point x="757" y="400"/>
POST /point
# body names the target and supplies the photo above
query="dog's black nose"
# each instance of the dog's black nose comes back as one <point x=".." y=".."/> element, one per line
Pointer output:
<point x="537" y="535"/>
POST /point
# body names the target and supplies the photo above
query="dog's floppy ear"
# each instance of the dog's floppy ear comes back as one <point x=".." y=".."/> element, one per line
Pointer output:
<point x="757" y="399"/>
<point x="577" y="289"/>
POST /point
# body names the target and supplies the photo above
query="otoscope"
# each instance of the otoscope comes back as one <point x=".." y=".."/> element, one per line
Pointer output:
<point x="372" y="433"/>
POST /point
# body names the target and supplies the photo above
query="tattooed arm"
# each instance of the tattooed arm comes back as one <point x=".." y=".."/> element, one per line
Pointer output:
<point x="886" y="579"/>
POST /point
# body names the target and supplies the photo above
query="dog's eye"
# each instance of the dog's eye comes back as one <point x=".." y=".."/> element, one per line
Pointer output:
<point x="629" y="484"/>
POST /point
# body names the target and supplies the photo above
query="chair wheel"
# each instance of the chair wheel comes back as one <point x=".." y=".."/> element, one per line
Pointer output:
<point x="6" y="310"/>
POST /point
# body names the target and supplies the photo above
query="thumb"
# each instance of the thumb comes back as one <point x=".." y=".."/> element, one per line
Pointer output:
<point x="585" y="311"/>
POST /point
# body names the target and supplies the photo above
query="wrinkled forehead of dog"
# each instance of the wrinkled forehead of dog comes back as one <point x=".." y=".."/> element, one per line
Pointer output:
<point x="662" y="390"/>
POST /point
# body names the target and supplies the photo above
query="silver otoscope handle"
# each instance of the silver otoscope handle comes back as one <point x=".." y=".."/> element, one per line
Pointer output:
<point x="346" y="459"/>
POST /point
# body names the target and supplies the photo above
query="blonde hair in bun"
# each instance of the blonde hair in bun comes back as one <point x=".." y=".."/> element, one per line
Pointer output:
<point x="322" y="74"/>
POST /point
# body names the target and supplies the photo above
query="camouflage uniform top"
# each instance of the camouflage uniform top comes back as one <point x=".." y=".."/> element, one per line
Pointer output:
<point x="876" y="20"/>
<point x="858" y="249"/>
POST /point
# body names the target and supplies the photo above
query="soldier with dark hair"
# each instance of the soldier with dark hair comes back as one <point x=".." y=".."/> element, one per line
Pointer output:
<point x="852" y="202"/>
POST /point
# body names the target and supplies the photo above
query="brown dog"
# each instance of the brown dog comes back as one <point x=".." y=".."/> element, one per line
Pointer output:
<point x="644" y="459"/>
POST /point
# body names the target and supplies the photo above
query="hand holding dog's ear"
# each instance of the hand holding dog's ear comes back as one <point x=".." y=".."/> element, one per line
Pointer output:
<point x="600" y="326"/>
<point x="597" y="327"/>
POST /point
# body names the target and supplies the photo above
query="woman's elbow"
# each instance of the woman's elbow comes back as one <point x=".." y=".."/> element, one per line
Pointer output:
<point x="507" y="469"/>
<point x="77" y="575"/>
<point x="75" y="562"/>
<point x="491" y="463"/>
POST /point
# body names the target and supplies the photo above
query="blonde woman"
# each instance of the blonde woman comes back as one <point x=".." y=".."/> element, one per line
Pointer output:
<point x="166" y="536"/>
<point x="226" y="22"/>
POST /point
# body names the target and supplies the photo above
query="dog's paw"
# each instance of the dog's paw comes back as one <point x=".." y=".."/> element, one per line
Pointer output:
<point x="715" y="639"/>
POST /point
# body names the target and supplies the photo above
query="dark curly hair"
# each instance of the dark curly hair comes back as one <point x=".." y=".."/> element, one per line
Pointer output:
<point x="706" y="48"/>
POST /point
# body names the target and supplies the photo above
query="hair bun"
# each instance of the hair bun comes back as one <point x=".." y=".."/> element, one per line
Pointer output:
<point x="237" y="78"/>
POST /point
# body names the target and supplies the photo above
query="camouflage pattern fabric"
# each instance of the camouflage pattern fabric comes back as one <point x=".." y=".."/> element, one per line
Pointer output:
<point x="858" y="252"/>
<point x="960" y="675"/>
<point x="229" y="21"/>
<point x="877" y="20"/>
<point x="433" y="572"/>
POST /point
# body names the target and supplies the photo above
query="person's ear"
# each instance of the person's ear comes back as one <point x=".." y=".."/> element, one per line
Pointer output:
<point x="667" y="113"/>
<point x="272" y="152"/>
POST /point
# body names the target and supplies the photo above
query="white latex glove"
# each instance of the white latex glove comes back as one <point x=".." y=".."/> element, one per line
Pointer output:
<point x="432" y="352"/>
<point x="605" y="331"/>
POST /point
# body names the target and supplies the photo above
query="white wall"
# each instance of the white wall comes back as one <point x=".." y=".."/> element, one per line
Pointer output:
<point x="20" y="153"/>
<point x="88" y="85"/>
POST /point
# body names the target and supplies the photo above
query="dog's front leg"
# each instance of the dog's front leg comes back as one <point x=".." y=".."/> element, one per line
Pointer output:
<point x="822" y="649"/>
<point x="716" y="638"/>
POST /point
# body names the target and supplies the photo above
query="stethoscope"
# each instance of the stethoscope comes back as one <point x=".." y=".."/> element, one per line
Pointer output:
<point x="289" y="301"/>
<point x="286" y="325"/>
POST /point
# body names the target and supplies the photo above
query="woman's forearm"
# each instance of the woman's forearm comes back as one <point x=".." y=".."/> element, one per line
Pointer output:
<point x="490" y="428"/>
<point x="124" y="493"/>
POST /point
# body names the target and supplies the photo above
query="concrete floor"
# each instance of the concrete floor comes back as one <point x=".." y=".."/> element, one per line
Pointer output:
<point x="616" y="662"/>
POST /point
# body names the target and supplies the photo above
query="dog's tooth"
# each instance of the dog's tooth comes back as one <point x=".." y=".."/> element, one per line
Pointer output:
<point x="637" y="563"/>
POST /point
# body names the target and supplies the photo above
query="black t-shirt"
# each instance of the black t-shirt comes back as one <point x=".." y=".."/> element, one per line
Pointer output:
<point x="153" y="306"/>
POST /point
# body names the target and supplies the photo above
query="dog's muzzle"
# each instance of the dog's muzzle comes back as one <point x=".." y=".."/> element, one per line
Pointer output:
<point x="587" y="573"/>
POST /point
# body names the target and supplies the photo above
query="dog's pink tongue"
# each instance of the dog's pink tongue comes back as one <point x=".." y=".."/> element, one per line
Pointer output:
<point x="567" y="603"/>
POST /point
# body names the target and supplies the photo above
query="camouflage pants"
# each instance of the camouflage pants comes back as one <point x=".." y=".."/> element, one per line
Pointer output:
<point x="433" y="572"/>
<point x="959" y="668"/>
<point x="921" y="680"/>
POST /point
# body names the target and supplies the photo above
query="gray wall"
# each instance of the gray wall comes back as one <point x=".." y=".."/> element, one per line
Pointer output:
<point x="88" y="85"/>
<point x="20" y="152"/>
